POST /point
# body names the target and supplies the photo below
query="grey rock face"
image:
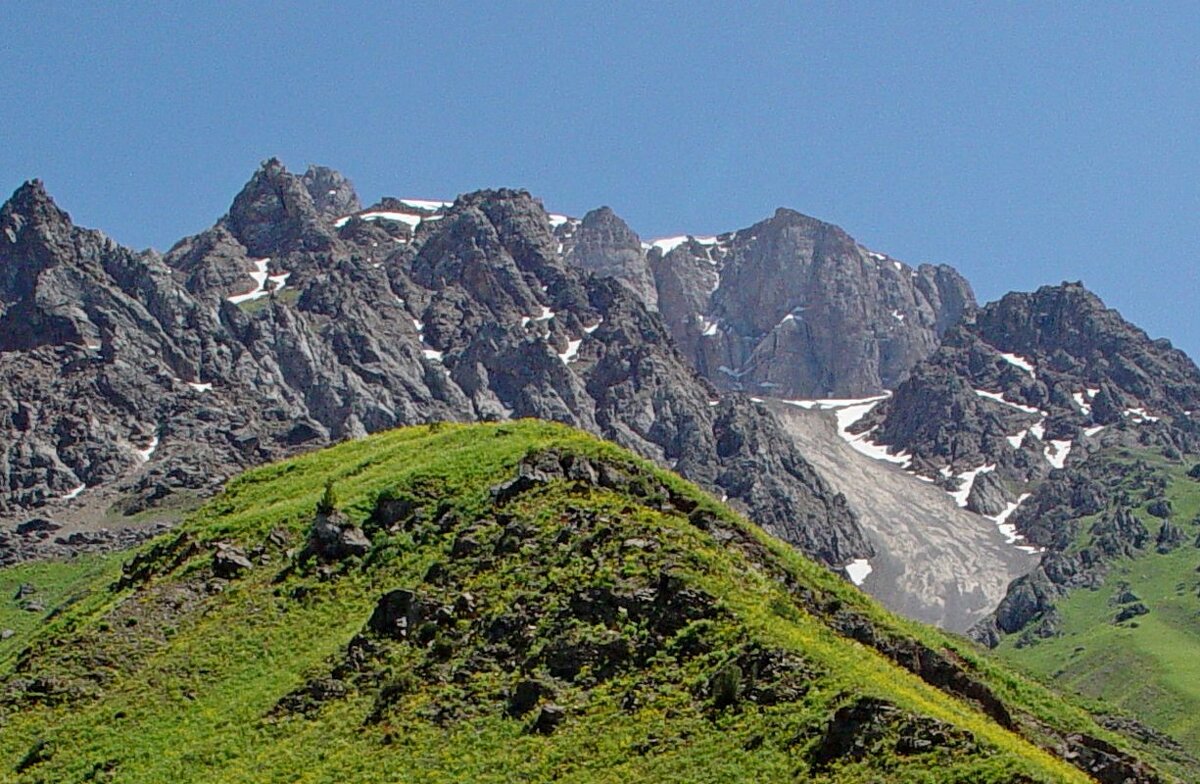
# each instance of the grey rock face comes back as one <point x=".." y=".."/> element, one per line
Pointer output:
<point x="275" y="213"/>
<point x="790" y="307"/>
<point x="332" y="194"/>
<point x="605" y="245"/>
<point x="140" y="377"/>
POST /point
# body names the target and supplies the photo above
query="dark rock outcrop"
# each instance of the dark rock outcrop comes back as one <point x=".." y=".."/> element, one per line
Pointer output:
<point x="1033" y="369"/>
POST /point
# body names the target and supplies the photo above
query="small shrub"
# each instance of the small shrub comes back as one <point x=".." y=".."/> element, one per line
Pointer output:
<point x="328" y="502"/>
<point x="726" y="686"/>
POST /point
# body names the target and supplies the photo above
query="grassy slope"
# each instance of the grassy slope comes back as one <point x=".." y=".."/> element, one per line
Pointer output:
<point x="179" y="685"/>
<point x="55" y="584"/>
<point x="1148" y="667"/>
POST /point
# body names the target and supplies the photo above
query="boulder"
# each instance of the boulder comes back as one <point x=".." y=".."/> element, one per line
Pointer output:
<point x="229" y="561"/>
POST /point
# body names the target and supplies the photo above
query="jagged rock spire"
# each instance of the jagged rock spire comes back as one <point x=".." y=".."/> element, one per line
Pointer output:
<point x="275" y="214"/>
<point x="332" y="193"/>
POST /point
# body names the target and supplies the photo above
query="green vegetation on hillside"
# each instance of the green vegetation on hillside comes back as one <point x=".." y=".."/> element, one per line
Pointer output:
<point x="533" y="604"/>
<point x="1146" y="664"/>
<point x="29" y="592"/>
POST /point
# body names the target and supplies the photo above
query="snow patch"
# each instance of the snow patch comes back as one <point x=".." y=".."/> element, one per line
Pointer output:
<point x="568" y="356"/>
<point x="1000" y="399"/>
<point x="432" y="354"/>
<point x="668" y="244"/>
<point x="400" y="217"/>
<point x="557" y="220"/>
<point x="858" y="569"/>
<point x="1020" y="362"/>
<point x="1008" y="530"/>
<point x="829" y="403"/>
<point x="1091" y="431"/>
<point x="427" y="204"/>
<point x="848" y="411"/>
<point x="144" y="454"/>
<point x="1139" y="415"/>
<point x="898" y="316"/>
<point x="74" y="493"/>
<point x="1056" y="452"/>
<point x="1015" y="440"/>
<point x="545" y="315"/>
<point x="1081" y="401"/>
<point x="260" y="283"/>
<point x="967" y="481"/>
<point x="594" y="327"/>
<point x="196" y="385"/>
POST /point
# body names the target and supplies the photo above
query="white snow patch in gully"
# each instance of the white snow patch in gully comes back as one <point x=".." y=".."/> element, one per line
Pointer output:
<point x="967" y="481"/>
<point x="668" y="244"/>
<point x="1020" y="362"/>
<point x="1016" y="439"/>
<point x="1139" y="415"/>
<point x="848" y="411"/>
<point x="1091" y="431"/>
<point x="568" y="356"/>
<point x="144" y="454"/>
<point x="1008" y="530"/>
<point x="1056" y="452"/>
<point x="260" y="283"/>
<point x="1000" y="399"/>
<point x="858" y="569"/>
<point x="594" y="327"/>
<point x="74" y="493"/>
<point x="196" y="385"/>
<point x="426" y="204"/>
<point x="401" y="217"/>
<point x="432" y="354"/>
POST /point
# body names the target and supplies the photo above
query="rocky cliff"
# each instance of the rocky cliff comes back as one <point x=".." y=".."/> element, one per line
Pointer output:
<point x="1033" y="383"/>
<point x="790" y="307"/>
<point x="128" y="377"/>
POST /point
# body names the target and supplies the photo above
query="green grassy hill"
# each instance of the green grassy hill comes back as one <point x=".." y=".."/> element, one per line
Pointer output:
<point x="532" y="604"/>
<point x="1133" y="639"/>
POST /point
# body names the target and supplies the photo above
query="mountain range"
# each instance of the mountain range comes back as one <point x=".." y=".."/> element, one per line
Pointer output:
<point x="955" y="460"/>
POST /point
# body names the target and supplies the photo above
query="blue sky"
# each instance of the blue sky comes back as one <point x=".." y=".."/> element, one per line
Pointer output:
<point x="1023" y="143"/>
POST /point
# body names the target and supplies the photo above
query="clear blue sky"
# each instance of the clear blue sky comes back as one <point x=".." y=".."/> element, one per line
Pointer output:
<point x="1022" y="143"/>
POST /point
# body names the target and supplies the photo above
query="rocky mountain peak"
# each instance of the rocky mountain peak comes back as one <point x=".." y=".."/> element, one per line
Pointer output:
<point x="1067" y="317"/>
<point x="38" y="253"/>
<point x="30" y="206"/>
<point x="604" y="244"/>
<point x="332" y="193"/>
<point x="275" y="214"/>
